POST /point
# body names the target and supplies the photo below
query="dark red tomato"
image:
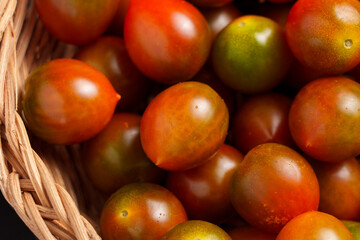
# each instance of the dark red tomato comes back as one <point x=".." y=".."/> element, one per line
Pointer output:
<point x="117" y="25"/>
<point x="250" y="233"/>
<point x="324" y="119"/>
<point x="281" y="1"/>
<point x="339" y="188"/>
<point x="261" y="119"/>
<point x="169" y="41"/>
<point x="67" y="101"/>
<point x="204" y="191"/>
<point x="272" y="185"/>
<point x="76" y="21"/>
<point x="183" y="126"/>
<point x="196" y="230"/>
<point x="315" y="225"/>
<point x="114" y="157"/>
<point x="251" y="54"/>
<point x="210" y="3"/>
<point x="140" y="211"/>
<point x="109" y="55"/>
<point x="324" y="34"/>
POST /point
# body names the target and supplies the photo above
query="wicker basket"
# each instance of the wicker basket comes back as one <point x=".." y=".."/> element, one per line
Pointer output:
<point x="43" y="183"/>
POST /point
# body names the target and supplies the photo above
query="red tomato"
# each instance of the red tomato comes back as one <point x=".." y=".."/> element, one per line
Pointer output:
<point x="272" y="185"/>
<point x="324" y="119"/>
<point x="108" y="55"/>
<point x="210" y="3"/>
<point x="204" y="191"/>
<point x="140" y="211"/>
<point x="250" y="233"/>
<point x="76" y="21"/>
<point x="169" y="41"/>
<point x="315" y="226"/>
<point x="324" y="34"/>
<point x="262" y="118"/>
<point x="183" y="126"/>
<point x="62" y="95"/>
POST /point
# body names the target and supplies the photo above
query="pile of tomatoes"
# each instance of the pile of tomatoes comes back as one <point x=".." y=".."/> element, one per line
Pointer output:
<point x="209" y="119"/>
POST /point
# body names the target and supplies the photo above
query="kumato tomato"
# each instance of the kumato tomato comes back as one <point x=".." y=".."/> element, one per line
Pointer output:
<point x="114" y="157"/>
<point x="272" y="185"/>
<point x="250" y="233"/>
<point x="169" y="41"/>
<point x="218" y="18"/>
<point x="183" y="126"/>
<point x="140" y="211"/>
<point x="67" y="101"/>
<point x="251" y="54"/>
<point x="339" y="188"/>
<point x="76" y="21"/>
<point x="109" y="55"/>
<point x="324" y="34"/>
<point x="204" y="190"/>
<point x="196" y="230"/>
<point x="117" y="25"/>
<point x="261" y="119"/>
<point x="324" y="119"/>
<point x="210" y="3"/>
<point x="314" y="225"/>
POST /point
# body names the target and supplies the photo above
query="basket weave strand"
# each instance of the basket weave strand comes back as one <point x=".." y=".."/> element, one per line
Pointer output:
<point x="39" y="184"/>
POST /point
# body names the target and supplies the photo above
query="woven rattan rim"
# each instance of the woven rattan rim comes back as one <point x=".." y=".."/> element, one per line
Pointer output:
<point x="40" y="185"/>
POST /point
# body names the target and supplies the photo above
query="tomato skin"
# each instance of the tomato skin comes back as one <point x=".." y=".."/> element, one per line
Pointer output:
<point x="339" y="188"/>
<point x="183" y="126"/>
<point x="251" y="54"/>
<point x="324" y="119"/>
<point x="272" y="185"/>
<point x="62" y="95"/>
<point x="169" y="41"/>
<point x="114" y="157"/>
<point x="314" y="225"/>
<point x="262" y="118"/>
<point x="140" y="211"/>
<point x="109" y="55"/>
<point x="324" y="35"/>
<point x="247" y="232"/>
<point x="196" y="229"/>
<point x="117" y="25"/>
<point x="69" y="20"/>
<point x="204" y="190"/>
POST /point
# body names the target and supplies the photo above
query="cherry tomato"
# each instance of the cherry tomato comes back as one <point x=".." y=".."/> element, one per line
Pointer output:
<point x="262" y="118"/>
<point x="315" y="225"/>
<point x="117" y="25"/>
<point x="324" y="119"/>
<point x="194" y="230"/>
<point x="339" y="188"/>
<point x="114" y="157"/>
<point x="204" y="191"/>
<point x="324" y="34"/>
<point x="108" y="55"/>
<point x="248" y="233"/>
<point x="169" y="41"/>
<point x="61" y="97"/>
<point x="251" y="54"/>
<point x="140" y="211"/>
<point x="354" y="228"/>
<point x="210" y="3"/>
<point x="183" y="126"/>
<point x="76" y="21"/>
<point x="272" y="185"/>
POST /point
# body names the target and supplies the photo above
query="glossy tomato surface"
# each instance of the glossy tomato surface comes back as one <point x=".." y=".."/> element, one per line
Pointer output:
<point x="250" y="233"/>
<point x="324" y="119"/>
<point x="109" y="55"/>
<point x="114" y="157"/>
<point x="272" y="185"/>
<point x="315" y="225"/>
<point x="169" y="41"/>
<point x="324" y="34"/>
<point x="251" y="54"/>
<point x="196" y="229"/>
<point x="183" y="126"/>
<point x="140" y="211"/>
<point x="204" y="190"/>
<point x="261" y="119"/>
<point x="339" y="188"/>
<point x="61" y="97"/>
<point x="76" y="21"/>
